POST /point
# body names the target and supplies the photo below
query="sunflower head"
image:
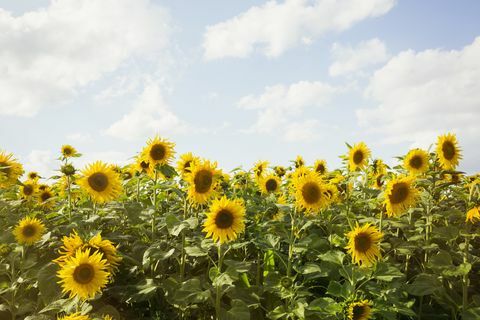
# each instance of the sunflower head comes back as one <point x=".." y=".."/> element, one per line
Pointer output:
<point x="280" y="171"/>
<point x="68" y="151"/>
<point x="473" y="215"/>
<point x="416" y="161"/>
<point x="378" y="181"/>
<point x="225" y="220"/>
<point x="269" y="184"/>
<point x="358" y="156"/>
<point x="101" y="182"/>
<point x="379" y="167"/>
<point x="360" y="310"/>
<point x="363" y="244"/>
<point x="33" y="176"/>
<point x="259" y="168"/>
<point x="10" y="170"/>
<point x="310" y="192"/>
<point x="320" y="166"/>
<point x="299" y="162"/>
<point x="71" y="244"/>
<point x="74" y="316"/>
<point x="28" y="189"/>
<point x="107" y="249"/>
<point x="202" y="181"/>
<point x="400" y="194"/>
<point x="28" y="231"/>
<point x="185" y="162"/>
<point x="84" y="274"/>
<point x="46" y="197"/>
<point x="158" y="151"/>
<point x="331" y="192"/>
<point x="448" y="151"/>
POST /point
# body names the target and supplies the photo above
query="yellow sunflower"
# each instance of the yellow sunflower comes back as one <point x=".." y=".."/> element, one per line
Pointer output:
<point x="142" y="166"/>
<point x="185" y="162"/>
<point x="280" y="171"/>
<point x="202" y="181"/>
<point x="269" y="184"/>
<point x="71" y="244"/>
<point x="358" y="156"/>
<point x="473" y="215"/>
<point x="259" y="168"/>
<point x="310" y="192"/>
<point x="360" y="310"/>
<point x="363" y="244"/>
<point x="225" y="220"/>
<point x="299" y="162"/>
<point x="107" y="249"/>
<point x="416" y="161"/>
<point x="400" y="194"/>
<point x="28" y="189"/>
<point x="74" y="316"/>
<point x="46" y="197"/>
<point x="28" y="231"/>
<point x="68" y="151"/>
<point x="379" y="167"/>
<point x="33" y="176"/>
<point x="83" y="274"/>
<point x="100" y="182"/>
<point x="378" y="181"/>
<point x="320" y="167"/>
<point x="10" y="170"/>
<point x="448" y="152"/>
<point x="331" y="192"/>
<point x="158" y="151"/>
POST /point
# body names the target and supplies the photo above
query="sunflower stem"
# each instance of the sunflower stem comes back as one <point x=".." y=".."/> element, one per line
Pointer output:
<point x="154" y="203"/>
<point x="218" y="295"/>
<point x="466" y="280"/>
<point x="291" y="242"/>
<point x="183" y="257"/>
<point x="138" y="189"/>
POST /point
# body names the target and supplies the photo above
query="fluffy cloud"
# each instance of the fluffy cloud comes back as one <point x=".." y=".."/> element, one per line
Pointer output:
<point x="349" y="60"/>
<point x="275" y="27"/>
<point x="280" y="106"/>
<point x="149" y="115"/>
<point x="423" y="94"/>
<point x="47" y="55"/>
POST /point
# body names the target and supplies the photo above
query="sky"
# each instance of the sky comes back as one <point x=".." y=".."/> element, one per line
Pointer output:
<point x="237" y="81"/>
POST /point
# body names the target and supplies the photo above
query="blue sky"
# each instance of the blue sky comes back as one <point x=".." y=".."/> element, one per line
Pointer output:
<point x="237" y="81"/>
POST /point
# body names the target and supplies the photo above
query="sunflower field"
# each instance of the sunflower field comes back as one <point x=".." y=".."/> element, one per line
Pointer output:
<point x="178" y="238"/>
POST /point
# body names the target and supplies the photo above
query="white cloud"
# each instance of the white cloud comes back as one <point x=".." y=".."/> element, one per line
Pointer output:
<point x="279" y="105"/>
<point x="427" y="93"/>
<point x="41" y="161"/>
<point x="47" y="55"/>
<point x="275" y="27"/>
<point x="349" y="60"/>
<point x="80" y="137"/>
<point x="149" y="115"/>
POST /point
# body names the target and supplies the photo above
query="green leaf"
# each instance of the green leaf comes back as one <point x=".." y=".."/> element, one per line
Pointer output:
<point x="424" y="284"/>
<point x="195" y="252"/>
<point x="339" y="290"/>
<point x="334" y="256"/>
<point x="238" y="311"/>
<point x="386" y="272"/>
<point x="47" y="283"/>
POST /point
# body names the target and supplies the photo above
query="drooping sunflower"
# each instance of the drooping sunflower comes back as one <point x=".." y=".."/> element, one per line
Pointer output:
<point x="416" y="161"/>
<point x="269" y="184"/>
<point x="10" y="170"/>
<point x="379" y="167"/>
<point x="28" y="231"/>
<point x="358" y="156"/>
<point x="310" y="192"/>
<point x="71" y="244"/>
<point x="185" y="162"/>
<point x="74" y="316"/>
<point x="331" y="192"/>
<point x="33" y="176"/>
<point x="473" y="215"/>
<point x="28" y="190"/>
<point x="299" y="162"/>
<point x="202" y="181"/>
<point x="400" y="194"/>
<point x="448" y="151"/>
<point x="363" y="244"/>
<point x="280" y="171"/>
<point x="158" y="151"/>
<point x="100" y="182"/>
<point x="378" y="181"/>
<point x="259" y="168"/>
<point x="83" y="274"/>
<point x="225" y="220"/>
<point x="360" y="310"/>
<point x="107" y="249"/>
<point x="142" y="166"/>
<point x="68" y="151"/>
<point x="320" y="166"/>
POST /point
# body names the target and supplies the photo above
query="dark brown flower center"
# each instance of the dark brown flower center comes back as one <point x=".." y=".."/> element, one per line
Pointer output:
<point x="84" y="273"/>
<point x="203" y="181"/>
<point x="271" y="185"/>
<point x="224" y="219"/>
<point x="144" y="165"/>
<point x="448" y="150"/>
<point x="359" y="312"/>
<point x="32" y="175"/>
<point x="379" y="180"/>
<point x="363" y="242"/>
<point x="399" y="193"/>
<point x="28" y="231"/>
<point x="44" y="196"/>
<point x="358" y="157"/>
<point x="311" y="192"/>
<point x="67" y="151"/>
<point x="98" y="181"/>
<point x="416" y="162"/>
<point x="5" y="168"/>
<point x="187" y="165"/>
<point x="158" y="152"/>
<point x="27" y="190"/>
<point x="320" y="169"/>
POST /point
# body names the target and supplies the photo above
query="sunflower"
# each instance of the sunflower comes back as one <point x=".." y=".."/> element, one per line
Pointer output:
<point x="142" y="166"/>
<point x="299" y="162"/>
<point x="28" y="189"/>
<point x="280" y="171"/>
<point x="259" y="168"/>
<point x="473" y="215"/>
<point x="158" y="151"/>
<point x="448" y="152"/>
<point x="28" y="231"/>
<point x="83" y="274"/>
<point x="46" y="197"/>
<point x="400" y="195"/>
<point x="185" y="162"/>
<point x="320" y="166"/>
<point x="360" y="310"/>
<point x="100" y="182"/>
<point x="225" y="220"/>
<point x="107" y="249"/>
<point x="10" y="170"/>
<point x="71" y="244"/>
<point x="202" y="180"/>
<point x="363" y="244"/>
<point x="68" y="151"/>
<point x="358" y="156"/>
<point x="310" y="192"/>
<point x="74" y="316"/>
<point x="378" y="181"/>
<point x="416" y="161"/>
<point x="269" y="184"/>
<point x="33" y="176"/>
<point x="331" y="192"/>
<point x="379" y="167"/>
